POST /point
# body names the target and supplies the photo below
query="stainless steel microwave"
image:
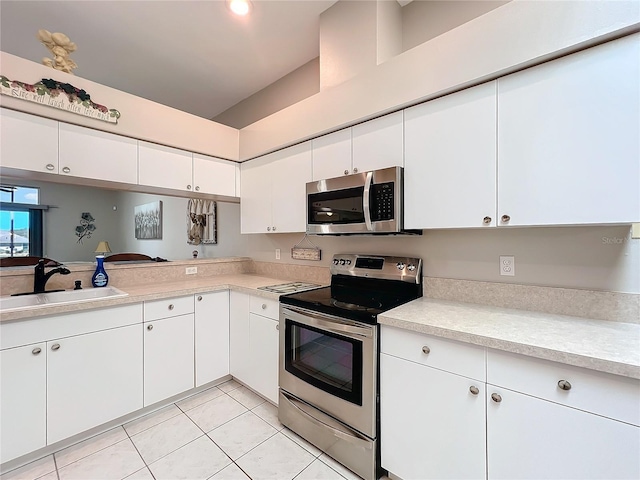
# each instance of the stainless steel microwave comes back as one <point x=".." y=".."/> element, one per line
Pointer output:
<point x="363" y="203"/>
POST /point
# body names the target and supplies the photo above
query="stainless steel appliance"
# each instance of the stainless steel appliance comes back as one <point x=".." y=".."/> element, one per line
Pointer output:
<point x="329" y="349"/>
<point x="369" y="203"/>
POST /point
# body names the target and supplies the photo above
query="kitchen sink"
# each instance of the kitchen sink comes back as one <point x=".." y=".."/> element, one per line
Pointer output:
<point x="59" y="298"/>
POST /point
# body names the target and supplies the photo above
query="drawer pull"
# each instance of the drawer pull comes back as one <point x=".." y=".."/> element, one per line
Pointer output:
<point x="199" y="298"/>
<point x="171" y="307"/>
<point x="264" y="306"/>
<point x="505" y="218"/>
<point x="346" y="172"/>
<point x="474" y="390"/>
<point x="55" y="346"/>
<point x="426" y="350"/>
<point x="66" y="170"/>
<point x="149" y="327"/>
<point x="564" y="385"/>
<point x="486" y="220"/>
<point x="277" y="327"/>
<point x="496" y="398"/>
<point x="36" y="350"/>
<point x="50" y="167"/>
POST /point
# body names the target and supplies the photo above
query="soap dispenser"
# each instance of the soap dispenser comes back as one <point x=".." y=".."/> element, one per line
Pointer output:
<point x="100" y="277"/>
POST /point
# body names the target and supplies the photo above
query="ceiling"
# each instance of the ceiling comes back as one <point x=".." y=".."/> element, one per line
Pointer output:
<point x="191" y="55"/>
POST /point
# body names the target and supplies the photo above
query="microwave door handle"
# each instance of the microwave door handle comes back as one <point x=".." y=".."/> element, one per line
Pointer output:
<point x="365" y="201"/>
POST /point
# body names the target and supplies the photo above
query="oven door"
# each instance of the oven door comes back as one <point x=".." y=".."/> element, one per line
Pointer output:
<point x="330" y="363"/>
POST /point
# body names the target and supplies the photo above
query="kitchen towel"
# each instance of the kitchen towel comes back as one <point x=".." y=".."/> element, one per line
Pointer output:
<point x="201" y="222"/>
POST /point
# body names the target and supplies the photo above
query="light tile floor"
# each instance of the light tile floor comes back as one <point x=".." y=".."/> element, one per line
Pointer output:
<point x="224" y="433"/>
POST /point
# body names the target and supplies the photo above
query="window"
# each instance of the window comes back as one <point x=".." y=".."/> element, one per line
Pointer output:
<point x="20" y="221"/>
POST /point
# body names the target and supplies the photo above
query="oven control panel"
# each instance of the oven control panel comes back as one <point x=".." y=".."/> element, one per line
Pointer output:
<point x="407" y="269"/>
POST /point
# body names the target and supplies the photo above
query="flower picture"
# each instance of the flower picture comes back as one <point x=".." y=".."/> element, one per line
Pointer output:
<point x="86" y="227"/>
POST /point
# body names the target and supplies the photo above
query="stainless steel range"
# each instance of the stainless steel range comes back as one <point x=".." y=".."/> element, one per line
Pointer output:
<point x="329" y="348"/>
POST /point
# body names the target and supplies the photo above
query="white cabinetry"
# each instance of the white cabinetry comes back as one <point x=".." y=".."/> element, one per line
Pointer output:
<point x="432" y="413"/>
<point x="88" y="153"/>
<point x="552" y="421"/>
<point x="273" y="191"/>
<point x="450" y="160"/>
<point x="28" y="142"/>
<point x="23" y="400"/>
<point x="211" y="336"/>
<point x="164" y="167"/>
<point x="569" y="139"/>
<point x="168" y="348"/>
<point x="332" y="155"/>
<point x="92" y="379"/>
<point x="214" y="175"/>
<point x="239" y="365"/>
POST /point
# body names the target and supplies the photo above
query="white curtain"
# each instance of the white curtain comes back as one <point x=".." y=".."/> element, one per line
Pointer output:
<point x="201" y="221"/>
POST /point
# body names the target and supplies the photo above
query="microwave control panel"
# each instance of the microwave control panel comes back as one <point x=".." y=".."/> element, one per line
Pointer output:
<point x="382" y="201"/>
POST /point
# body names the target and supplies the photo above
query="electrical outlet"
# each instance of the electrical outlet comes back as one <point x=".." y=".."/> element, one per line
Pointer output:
<point x="277" y="254"/>
<point x="191" y="270"/>
<point x="508" y="265"/>
<point x="635" y="230"/>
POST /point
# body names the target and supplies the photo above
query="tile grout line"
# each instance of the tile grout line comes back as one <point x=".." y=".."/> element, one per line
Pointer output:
<point x="138" y="451"/>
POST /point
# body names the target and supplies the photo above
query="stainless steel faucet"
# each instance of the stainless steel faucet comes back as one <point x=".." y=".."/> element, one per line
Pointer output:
<point x="40" y="278"/>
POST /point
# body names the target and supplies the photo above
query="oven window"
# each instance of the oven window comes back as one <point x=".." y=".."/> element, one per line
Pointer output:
<point x="328" y="361"/>
<point x="337" y="207"/>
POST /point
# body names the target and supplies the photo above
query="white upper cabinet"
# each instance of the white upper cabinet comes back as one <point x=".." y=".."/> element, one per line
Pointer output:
<point x="88" y="153"/>
<point x="378" y="143"/>
<point x="28" y="142"/>
<point x="273" y="191"/>
<point x="450" y="160"/>
<point x="569" y="139"/>
<point x="332" y="155"/>
<point x="164" y="167"/>
<point x="214" y="175"/>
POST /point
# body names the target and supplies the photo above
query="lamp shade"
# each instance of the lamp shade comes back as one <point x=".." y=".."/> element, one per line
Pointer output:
<point x="103" y="247"/>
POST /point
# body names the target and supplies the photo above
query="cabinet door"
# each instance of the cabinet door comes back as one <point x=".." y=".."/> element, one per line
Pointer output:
<point x="255" y="196"/>
<point x="214" y="175"/>
<point x="530" y="438"/>
<point x="263" y="354"/>
<point x="569" y="139"/>
<point x="378" y="143"/>
<point x="164" y="167"/>
<point x="92" y="379"/>
<point x="450" y="160"/>
<point x="23" y="400"/>
<point x="212" y="336"/>
<point x="239" y="362"/>
<point x="332" y="155"/>
<point x="94" y="154"/>
<point x="28" y="142"/>
<point x="432" y="425"/>
<point x="168" y="357"/>
<point x="291" y="172"/>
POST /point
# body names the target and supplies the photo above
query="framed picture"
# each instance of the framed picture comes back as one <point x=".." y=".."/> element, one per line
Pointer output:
<point x="148" y="221"/>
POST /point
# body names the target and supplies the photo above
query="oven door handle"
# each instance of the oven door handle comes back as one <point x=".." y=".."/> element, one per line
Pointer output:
<point x="338" y="430"/>
<point x="365" y="201"/>
<point x="334" y="326"/>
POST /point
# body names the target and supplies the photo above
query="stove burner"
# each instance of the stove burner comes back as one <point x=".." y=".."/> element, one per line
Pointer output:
<point x="353" y="306"/>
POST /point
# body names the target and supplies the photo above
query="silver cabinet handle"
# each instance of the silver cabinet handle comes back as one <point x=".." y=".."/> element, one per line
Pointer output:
<point x="486" y="220"/>
<point x="149" y="327"/>
<point x="36" y="350"/>
<point x="171" y="307"/>
<point x="564" y="385"/>
<point x="50" y="167"/>
<point x="66" y="170"/>
<point x="268" y="229"/>
<point x="346" y="172"/>
<point x="55" y="346"/>
<point x="277" y="326"/>
<point x="496" y="398"/>
<point x="199" y="298"/>
<point x="273" y="229"/>
<point x="197" y="188"/>
<point x="188" y="187"/>
<point x="426" y="350"/>
<point x="264" y="306"/>
<point x="355" y="170"/>
<point x="505" y="218"/>
<point x="474" y="390"/>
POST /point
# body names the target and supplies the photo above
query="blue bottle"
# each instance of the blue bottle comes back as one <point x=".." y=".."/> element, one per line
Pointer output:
<point x="100" y="277"/>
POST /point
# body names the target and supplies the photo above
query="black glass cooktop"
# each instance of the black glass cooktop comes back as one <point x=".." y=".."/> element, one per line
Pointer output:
<point x="355" y="298"/>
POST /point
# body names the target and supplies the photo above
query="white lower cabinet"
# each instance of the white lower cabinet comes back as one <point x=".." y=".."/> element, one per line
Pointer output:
<point x="211" y="336"/>
<point x="168" y="357"/>
<point x="263" y="355"/>
<point x="92" y="379"/>
<point x="23" y="400"/>
<point x="239" y="365"/>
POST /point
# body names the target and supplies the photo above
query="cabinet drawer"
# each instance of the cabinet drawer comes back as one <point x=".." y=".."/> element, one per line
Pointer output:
<point x="168" y="307"/>
<point x="455" y="357"/>
<point x="601" y="393"/>
<point x="265" y="307"/>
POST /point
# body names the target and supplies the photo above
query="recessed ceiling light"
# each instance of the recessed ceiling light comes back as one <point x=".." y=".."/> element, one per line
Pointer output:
<point x="240" y="7"/>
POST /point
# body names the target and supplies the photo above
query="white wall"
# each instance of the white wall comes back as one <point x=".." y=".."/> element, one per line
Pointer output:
<point x="596" y="257"/>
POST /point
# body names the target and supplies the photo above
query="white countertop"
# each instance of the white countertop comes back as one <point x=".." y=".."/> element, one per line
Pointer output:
<point x="611" y="347"/>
